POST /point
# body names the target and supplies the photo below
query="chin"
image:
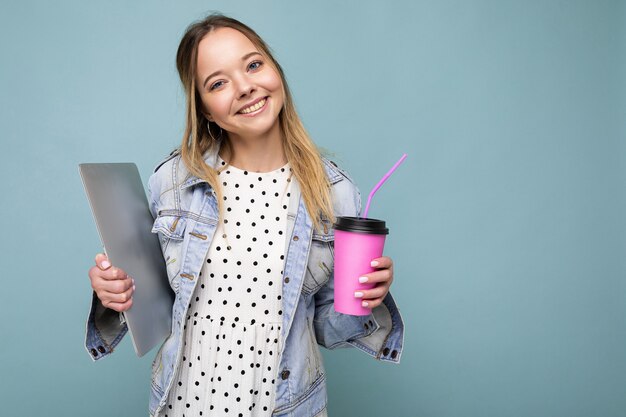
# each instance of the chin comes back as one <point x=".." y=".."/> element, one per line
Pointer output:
<point x="260" y="130"/>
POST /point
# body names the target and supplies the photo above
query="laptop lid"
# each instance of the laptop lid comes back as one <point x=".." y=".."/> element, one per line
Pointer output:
<point x="124" y="222"/>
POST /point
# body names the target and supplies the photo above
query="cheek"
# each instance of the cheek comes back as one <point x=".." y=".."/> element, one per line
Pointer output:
<point x="218" y="106"/>
<point x="273" y="82"/>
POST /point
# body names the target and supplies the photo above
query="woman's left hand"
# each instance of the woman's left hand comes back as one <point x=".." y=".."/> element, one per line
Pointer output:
<point x="383" y="278"/>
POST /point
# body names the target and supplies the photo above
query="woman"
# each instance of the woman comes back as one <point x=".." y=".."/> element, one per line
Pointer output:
<point x="244" y="211"/>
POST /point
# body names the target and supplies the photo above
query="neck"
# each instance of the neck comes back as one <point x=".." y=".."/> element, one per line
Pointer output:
<point x="261" y="153"/>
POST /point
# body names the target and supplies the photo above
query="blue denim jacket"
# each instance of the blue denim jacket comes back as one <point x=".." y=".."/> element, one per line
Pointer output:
<point x="185" y="212"/>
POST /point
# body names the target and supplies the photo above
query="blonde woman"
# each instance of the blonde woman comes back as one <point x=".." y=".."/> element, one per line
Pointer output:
<point x="244" y="212"/>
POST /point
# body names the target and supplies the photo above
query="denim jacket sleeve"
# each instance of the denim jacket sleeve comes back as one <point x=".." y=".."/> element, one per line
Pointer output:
<point x="105" y="327"/>
<point x="380" y="334"/>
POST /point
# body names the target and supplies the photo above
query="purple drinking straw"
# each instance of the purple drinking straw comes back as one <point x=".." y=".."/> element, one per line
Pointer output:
<point x="380" y="183"/>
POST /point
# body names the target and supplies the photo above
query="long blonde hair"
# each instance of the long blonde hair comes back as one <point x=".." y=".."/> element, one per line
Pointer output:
<point x="302" y="154"/>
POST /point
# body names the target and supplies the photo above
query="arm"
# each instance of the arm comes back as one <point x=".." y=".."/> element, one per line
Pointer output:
<point x="379" y="334"/>
<point x="105" y="327"/>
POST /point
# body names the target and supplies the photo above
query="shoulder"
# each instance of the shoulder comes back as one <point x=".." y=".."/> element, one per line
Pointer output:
<point x="162" y="177"/>
<point x="334" y="172"/>
<point x="345" y="192"/>
<point x="175" y="153"/>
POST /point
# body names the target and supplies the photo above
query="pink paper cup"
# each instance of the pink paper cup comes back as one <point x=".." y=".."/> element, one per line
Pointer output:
<point x="357" y="242"/>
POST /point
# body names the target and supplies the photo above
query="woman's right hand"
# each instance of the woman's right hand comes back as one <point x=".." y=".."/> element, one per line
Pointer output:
<point x="112" y="285"/>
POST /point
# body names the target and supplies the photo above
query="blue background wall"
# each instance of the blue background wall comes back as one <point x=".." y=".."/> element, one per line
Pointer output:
<point x="507" y="218"/>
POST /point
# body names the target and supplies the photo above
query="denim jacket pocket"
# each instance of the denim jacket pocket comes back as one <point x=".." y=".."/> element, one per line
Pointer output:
<point x="320" y="262"/>
<point x="170" y="227"/>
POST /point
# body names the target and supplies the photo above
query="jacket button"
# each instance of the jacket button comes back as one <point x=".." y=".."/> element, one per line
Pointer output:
<point x="296" y="238"/>
<point x="284" y="374"/>
<point x="286" y="280"/>
<point x="394" y="354"/>
<point x="101" y="349"/>
<point x="386" y="351"/>
<point x="94" y="352"/>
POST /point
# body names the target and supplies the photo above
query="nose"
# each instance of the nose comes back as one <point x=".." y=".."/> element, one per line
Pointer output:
<point x="246" y="86"/>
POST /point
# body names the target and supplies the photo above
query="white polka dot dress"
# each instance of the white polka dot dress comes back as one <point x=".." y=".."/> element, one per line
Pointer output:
<point x="232" y="332"/>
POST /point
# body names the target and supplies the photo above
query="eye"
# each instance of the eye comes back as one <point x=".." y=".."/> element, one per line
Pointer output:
<point x="215" y="85"/>
<point x="251" y="66"/>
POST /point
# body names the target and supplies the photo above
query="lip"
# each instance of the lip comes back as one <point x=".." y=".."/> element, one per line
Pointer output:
<point x="252" y="103"/>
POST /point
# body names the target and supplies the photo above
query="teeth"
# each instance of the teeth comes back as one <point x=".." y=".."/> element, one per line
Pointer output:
<point x="253" y="108"/>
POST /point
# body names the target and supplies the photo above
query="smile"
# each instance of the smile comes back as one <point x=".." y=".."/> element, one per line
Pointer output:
<point x="254" y="109"/>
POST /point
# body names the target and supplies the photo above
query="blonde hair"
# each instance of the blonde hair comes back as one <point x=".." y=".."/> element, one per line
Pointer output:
<point x="302" y="154"/>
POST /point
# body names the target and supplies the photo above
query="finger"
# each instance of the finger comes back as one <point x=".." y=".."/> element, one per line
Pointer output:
<point x="372" y="303"/>
<point x="99" y="277"/>
<point x="376" y="292"/>
<point x="114" y="273"/>
<point x="118" y="297"/>
<point x="116" y="286"/>
<point x="383" y="275"/>
<point x="118" y="306"/>
<point x="102" y="261"/>
<point x="382" y="262"/>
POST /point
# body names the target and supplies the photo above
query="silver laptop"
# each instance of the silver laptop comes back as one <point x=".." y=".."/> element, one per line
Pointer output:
<point x="120" y="208"/>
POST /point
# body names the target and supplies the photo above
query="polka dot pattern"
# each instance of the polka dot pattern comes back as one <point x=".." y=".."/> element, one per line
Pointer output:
<point x="232" y="330"/>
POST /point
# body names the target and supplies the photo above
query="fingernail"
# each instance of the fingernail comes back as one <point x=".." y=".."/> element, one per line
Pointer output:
<point x="133" y="282"/>
<point x="363" y="279"/>
<point x="365" y="303"/>
<point x="133" y="288"/>
<point x="106" y="264"/>
<point x="358" y="294"/>
<point x="374" y="263"/>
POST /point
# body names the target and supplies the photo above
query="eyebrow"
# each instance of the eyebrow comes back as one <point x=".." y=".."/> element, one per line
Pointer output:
<point x="243" y="58"/>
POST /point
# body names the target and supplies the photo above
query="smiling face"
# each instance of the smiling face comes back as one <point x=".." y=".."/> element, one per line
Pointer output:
<point x="239" y="89"/>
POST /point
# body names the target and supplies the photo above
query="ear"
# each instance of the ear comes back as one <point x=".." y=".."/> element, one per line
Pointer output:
<point x="205" y="112"/>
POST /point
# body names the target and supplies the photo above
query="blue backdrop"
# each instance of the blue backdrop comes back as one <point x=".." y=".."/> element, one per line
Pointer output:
<point x="507" y="219"/>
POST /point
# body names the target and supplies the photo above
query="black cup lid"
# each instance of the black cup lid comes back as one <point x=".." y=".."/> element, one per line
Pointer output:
<point x="361" y="225"/>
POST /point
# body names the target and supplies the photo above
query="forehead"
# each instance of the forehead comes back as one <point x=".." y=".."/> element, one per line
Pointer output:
<point x="222" y="47"/>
